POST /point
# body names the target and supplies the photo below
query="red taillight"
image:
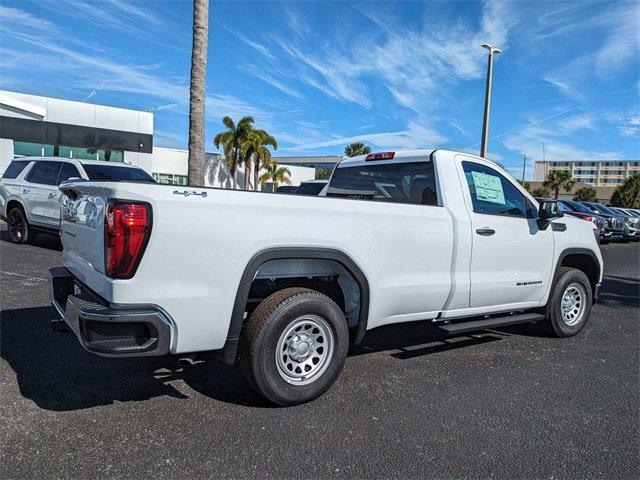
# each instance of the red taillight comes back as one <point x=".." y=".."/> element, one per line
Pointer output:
<point x="589" y="218"/>
<point x="380" y="156"/>
<point x="127" y="226"/>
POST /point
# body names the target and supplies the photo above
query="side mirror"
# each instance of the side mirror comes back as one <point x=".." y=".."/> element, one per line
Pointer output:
<point x="549" y="209"/>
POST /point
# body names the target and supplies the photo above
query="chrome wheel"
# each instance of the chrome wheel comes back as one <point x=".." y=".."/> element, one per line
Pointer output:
<point x="17" y="225"/>
<point x="304" y="350"/>
<point x="573" y="304"/>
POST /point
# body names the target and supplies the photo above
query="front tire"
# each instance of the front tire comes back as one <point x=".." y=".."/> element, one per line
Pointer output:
<point x="294" y="346"/>
<point x="571" y="300"/>
<point x="19" y="229"/>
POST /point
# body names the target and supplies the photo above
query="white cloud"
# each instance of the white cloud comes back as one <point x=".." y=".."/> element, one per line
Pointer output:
<point x="126" y="17"/>
<point x="622" y="47"/>
<point x="556" y="141"/>
<point x="131" y="10"/>
<point x="94" y="70"/>
<point x="631" y="126"/>
<point x="585" y="121"/>
<point x="19" y="18"/>
<point x="261" y="49"/>
<point x="412" y="64"/>
<point x="296" y="23"/>
<point x="414" y="136"/>
<point x="614" y="25"/>
<point x="271" y="80"/>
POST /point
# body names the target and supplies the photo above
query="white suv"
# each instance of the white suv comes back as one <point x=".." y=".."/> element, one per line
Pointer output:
<point x="29" y="195"/>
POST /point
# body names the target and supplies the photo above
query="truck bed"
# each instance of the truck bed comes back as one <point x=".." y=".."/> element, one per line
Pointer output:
<point x="200" y="245"/>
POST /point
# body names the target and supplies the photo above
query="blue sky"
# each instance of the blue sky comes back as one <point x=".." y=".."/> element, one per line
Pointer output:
<point x="319" y="75"/>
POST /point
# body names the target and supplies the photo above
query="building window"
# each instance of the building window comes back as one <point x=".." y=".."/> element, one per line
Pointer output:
<point x="27" y="149"/>
<point x="170" y="179"/>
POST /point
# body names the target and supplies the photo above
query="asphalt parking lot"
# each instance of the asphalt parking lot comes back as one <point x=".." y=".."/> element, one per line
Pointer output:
<point x="510" y="403"/>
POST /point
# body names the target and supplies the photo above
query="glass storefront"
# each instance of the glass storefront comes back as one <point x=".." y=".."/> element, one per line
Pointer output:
<point x="25" y="149"/>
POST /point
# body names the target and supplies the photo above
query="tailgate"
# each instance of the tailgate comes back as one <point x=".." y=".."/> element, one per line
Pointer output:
<point x="82" y="214"/>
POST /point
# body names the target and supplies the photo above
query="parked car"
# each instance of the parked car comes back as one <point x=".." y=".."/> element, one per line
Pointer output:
<point x="614" y="222"/>
<point x="29" y="195"/>
<point x="286" y="189"/>
<point x="390" y="241"/>
<point x="632" y="222"/>
<point x="311" y="187"/>
<point x="569" y="207"/>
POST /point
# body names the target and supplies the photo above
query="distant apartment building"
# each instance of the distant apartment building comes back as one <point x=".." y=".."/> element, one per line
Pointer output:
<point x="597" y="173"/>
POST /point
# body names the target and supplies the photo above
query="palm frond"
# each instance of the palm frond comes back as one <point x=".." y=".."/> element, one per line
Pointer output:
<point x="228" y="122"/>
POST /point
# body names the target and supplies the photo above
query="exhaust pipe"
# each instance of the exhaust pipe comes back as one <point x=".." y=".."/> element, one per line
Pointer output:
<point x="188" y="360"/>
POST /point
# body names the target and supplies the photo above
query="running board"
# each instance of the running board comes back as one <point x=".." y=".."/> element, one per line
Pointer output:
<point x="494" y="322"/>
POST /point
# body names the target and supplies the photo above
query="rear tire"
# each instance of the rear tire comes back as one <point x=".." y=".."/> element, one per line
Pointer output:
<point x="294" y="346"/>
<point x="571" y="299"/>
<point x="19" y="229"/>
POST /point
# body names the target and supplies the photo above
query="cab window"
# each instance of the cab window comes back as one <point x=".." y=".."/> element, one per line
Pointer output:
<point x="400" y="182"/>
<point x="492" y="194"/>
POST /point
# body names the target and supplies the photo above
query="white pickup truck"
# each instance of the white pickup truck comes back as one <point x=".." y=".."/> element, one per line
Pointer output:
<point x="285" y="283"/>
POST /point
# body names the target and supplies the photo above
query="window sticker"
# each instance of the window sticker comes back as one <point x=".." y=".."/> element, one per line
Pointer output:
<point x="488" y="188"/>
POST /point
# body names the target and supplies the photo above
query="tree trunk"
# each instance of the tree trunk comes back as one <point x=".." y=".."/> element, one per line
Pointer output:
<point x="247" y="173"/>
<point x="234" y="174"/>
<point x="256" y="168"/>
<point x="197" y="93"/>
<point x="557" y="192"/>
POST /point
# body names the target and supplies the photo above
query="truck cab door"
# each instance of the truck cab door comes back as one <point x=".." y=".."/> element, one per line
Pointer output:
<point x="511" y="257"/>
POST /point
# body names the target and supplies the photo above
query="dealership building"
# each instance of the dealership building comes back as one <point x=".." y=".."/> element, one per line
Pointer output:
<point x="32" y="125"/>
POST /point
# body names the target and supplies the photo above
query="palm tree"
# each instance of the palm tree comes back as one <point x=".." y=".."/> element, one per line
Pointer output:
<point x="627" y="195"/>
<point x="586" y="194"/>
<point x="276" y="175"/>
<point x="541" y="191"/>
<point x="231" y="141"/>
<point x="559" y="179"/>
<point x="255" y="148"/>
<point x="197" y="95"/>
<point x="357" y="148"/>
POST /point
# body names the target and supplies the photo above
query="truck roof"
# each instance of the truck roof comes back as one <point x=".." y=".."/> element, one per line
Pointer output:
<point x="398" y="156"/>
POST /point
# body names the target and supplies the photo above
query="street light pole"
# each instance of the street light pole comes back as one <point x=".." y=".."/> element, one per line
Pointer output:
<point x="524" y="166"/>
<point x="487" y="99"/>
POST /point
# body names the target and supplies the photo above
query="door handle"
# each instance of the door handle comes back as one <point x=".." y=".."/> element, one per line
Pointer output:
<point x="485" y="232"/>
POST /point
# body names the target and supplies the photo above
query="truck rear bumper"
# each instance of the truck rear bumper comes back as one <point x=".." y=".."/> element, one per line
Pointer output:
<point x="106" y="330"/>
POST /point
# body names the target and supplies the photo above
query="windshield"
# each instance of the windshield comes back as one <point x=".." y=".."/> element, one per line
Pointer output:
<point x="112" y="173"/>
<point x="604" y="209"/>
<point x="578" y="207"/>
